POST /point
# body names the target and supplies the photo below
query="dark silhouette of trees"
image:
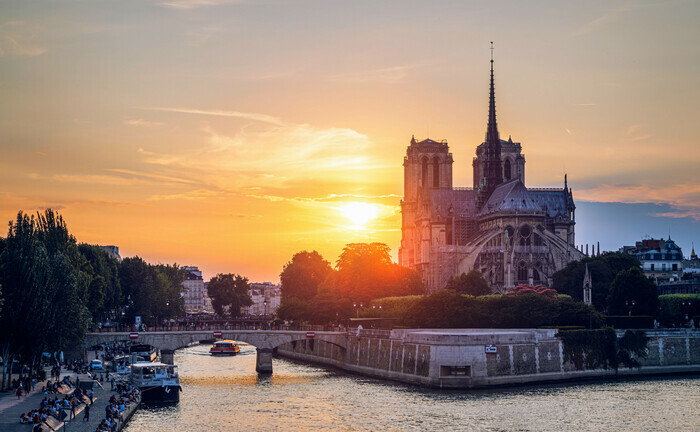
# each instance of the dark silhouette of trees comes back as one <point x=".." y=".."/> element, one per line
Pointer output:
<point x="629" y="286"/>
<point x="151" y="291"/>
<point x="603" y="269"/>
<point x="472" y="283"/>
<point x="229" y="292"/>
<point x="43" y="289"/>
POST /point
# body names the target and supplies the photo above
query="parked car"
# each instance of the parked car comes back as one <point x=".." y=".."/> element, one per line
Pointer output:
<point x="96" y="364"/>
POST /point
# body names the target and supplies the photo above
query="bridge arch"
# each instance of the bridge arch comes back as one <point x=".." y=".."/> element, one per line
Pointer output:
<point x="265" y="341"/>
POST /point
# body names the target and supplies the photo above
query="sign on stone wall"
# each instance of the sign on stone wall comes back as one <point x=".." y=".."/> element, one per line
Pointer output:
<point x="490" y="349"/>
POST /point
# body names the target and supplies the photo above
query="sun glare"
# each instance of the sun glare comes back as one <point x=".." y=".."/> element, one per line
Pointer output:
<point x="359" y="213"/>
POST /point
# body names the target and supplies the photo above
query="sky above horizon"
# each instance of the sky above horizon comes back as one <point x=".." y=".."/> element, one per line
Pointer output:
<point x="231" y="134"/>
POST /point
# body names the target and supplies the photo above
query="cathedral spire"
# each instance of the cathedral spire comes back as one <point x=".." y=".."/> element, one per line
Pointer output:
<point x="491" y="168"/>
<point x="492" y="128"/>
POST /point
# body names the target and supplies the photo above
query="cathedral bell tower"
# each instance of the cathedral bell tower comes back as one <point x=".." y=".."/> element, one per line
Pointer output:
<point x="492" y="168"/>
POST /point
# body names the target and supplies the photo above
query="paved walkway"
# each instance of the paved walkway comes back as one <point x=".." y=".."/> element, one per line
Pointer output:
<point x="11" y="409"/>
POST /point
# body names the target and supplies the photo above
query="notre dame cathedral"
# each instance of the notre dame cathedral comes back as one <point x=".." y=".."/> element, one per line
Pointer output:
<point x="511" y="233"/>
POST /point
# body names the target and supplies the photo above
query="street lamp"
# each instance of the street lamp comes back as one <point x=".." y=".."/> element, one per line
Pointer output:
<point x="357" y="310"/>
<point x="686" y="307"/>
<point x="265" y="305"/>
<point x="630" y="305"/>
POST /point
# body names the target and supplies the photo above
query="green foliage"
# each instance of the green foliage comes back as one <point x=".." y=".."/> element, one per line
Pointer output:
<point x="673" y="311"/>
<point x="631" y="347"/>
<point x="392" y="307"/>
<point x="603" y="269"/>
<point x="592" y="349"/>
<point x="630" y="285"/>
<point x="151" y="291"/>
<point x="601" y="349"/>
<point x="303" y="275"/>
<point x="100" y="264"/>
<point x="629" y="322"/>
<point x="294" y="309"/>
<point x="229" y="292"/>
<point x="493" y="311"/>
<point x="313" y="291"/>
<point x="365" y="272"/>
<point x="472" y="283"/>
<point x="43" y="288"/>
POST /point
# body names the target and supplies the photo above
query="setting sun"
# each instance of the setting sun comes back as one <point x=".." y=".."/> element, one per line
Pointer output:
<point x="359" y="213"/>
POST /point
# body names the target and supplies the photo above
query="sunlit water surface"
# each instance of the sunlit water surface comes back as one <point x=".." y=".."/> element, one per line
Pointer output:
<point x="225" y="393"/>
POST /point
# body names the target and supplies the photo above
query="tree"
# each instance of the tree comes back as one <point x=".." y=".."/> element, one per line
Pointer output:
<point x="103" y="265"/>
<point x="229" y="292"/>
<point x="303" y="275"/>
<point x="632" y="286"/>
<point x="472" y="283"/>
<point x="365" y="271"/>
<point x="43" y="289"/>
<point x="603" y="269"/>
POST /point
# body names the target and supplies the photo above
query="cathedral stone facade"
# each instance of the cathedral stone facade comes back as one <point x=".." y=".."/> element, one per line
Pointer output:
<point x="511" y="233"/>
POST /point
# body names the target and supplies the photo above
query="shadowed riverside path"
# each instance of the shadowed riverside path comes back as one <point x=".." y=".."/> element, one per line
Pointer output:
<point x="11" y="409"/>
<point x="264" y="340"/>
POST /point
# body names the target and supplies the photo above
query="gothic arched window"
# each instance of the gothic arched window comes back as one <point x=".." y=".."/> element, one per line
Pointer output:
<point x="535" y="275"/>
<point x="506" y="169"/>
<point x="522" y="271"/>
<point x="436" y="172"/>
<point x="424" y="172"/>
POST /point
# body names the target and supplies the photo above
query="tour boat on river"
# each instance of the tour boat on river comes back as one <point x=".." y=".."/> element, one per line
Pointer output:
<point x="224" y="347"/>
<point x="158" y="382"/>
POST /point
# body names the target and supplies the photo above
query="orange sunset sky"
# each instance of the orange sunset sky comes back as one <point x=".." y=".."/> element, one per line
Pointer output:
<point x="232" y="134"/>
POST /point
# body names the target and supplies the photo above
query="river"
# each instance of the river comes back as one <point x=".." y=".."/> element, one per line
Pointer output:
<point x="225" y="393"/>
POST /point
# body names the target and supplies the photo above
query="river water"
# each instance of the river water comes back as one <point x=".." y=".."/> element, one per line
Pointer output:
<point x="225" y="393"/>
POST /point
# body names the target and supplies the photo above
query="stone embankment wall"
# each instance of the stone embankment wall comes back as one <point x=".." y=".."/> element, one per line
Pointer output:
<point x="466" y="358"/>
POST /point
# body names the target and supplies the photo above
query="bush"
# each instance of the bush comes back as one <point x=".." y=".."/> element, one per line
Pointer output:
<point x="672" y="312"/>
<point x="594" y="349"/>
<point x="449" y="309"/>
<point x="630" y="322"/>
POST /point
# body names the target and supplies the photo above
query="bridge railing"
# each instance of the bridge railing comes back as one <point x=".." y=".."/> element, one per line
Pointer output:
<point x="222" y="327"/>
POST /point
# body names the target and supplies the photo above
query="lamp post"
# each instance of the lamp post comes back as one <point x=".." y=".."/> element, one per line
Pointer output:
<point x="357" y="309"/>
<point x="265" y="307"/>
<point x="630" y="305"/>
<point x="686" y="307"/>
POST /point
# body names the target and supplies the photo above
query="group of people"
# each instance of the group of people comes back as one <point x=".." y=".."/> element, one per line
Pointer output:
<point x="117" y="405"/>
<point x="23" y="385"/>
<point x="53" y="406"/>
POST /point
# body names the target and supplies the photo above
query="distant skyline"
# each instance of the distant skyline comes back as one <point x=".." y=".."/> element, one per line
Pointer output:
<point x="232" y="134"/>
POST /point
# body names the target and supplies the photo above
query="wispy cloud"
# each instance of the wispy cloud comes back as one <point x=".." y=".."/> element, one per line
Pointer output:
<point x="19" y="39"/>
<point x="610" y="16"/>
<point x="194" y="4"/>
<point x="142" y="123"/>
<point x="685" y="198"/>
<point x="390" y="75"/>
<point x="224" y="113"/>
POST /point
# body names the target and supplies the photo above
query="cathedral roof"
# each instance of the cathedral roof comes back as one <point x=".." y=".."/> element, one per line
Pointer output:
<point x="511" y="197"/>
<point x="458" y="202"/>
<point x="553" y="201"/>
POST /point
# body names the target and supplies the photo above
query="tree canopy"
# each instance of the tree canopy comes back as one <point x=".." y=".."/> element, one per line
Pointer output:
<point x="229" y="293"/>
<point x="303" y="275"/>
<point x="472" y="283"/>
<point x="603" y="269"/>
<point x="629" y="286"/>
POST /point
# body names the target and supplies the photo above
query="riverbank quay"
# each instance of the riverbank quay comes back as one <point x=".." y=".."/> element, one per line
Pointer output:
<point x="482" y="358"/>
<point x="10" y="412"/>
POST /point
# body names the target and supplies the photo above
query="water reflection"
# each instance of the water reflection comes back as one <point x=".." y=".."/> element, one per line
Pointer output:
<point x="225" y="393"/>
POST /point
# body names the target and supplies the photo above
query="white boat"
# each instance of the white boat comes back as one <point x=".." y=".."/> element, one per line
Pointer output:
<point x="158" y="382"/>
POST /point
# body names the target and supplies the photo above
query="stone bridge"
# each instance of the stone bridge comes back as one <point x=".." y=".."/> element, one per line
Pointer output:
<point x="264" y="340"/>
